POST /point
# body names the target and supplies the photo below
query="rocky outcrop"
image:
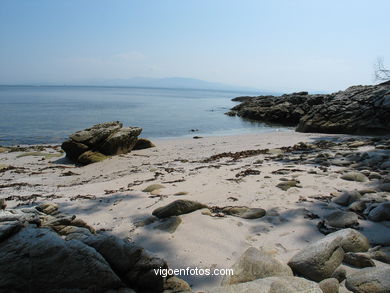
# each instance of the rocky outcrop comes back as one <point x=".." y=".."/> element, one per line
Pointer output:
<point x="357" y="110"/>
<point x="94" y="144"/>
<point x="43" y="250"/>
<point x="369" y="280"/>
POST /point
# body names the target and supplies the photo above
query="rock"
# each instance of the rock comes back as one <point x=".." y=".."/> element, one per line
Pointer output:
<point x="339" y="274"/>
<point x="47" y="208"/>
<point x="153" y="187"/>
<point x="285" y="284"/>
<point x="385" y="187"/>
<point x="169" y="225"/>
<point x="73" y="149"/>
<point x="90" y="157"/>
<point x="380" y="213"/>
<point x="318" y="260"/>
<point x="143" y="143"/>
<point x="174" y="284"/>
<point x="244" y="212"/>
<point x="369" y="280"/>
<point x="347" y="197"/>
<point x="129" y="261"/>
<point x="380" y="256"/>
<point x="255" y="264"/>
<point x="38" y="260"/>
<point x="287" y="184"/>
<point x="341" y="219"/>
<point x="9" y="228"/>
<point x="94" y="135"/>
<point x="330" y="285"/>
<point x="95" y="143"/>
<point x="354" y="176"/>
<point x="120" y="142"/>
<point x="177" y="208"/>
<point x="357" y="206"/>
<point x="359" y="260"/>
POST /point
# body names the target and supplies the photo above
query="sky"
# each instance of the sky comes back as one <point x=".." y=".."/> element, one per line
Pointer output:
<point x="280" y="45"/>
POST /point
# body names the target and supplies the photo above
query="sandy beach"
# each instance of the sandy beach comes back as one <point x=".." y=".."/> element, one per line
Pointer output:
<point x="109" y="195"/>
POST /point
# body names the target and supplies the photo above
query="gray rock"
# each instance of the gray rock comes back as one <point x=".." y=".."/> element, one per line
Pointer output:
<point x="255" y="264"/>
<point x="174" y="284"/>
<point x="120" y="142"/>
<point x="347" y="197"/>
<point x="380" y="213"/>
<point x="359" y="260"/>
<point x="95" y="134"/>
<point x="369" y="280"/>
<point x="319" y="260"/>
<point x="341" y="219"/>
<point x="340" y="274"/>
<point x="38" y="260"/>
<point x="178" y="207"/>
<point x="330" y="285"/>
<point x="244" y="212"/>
<point x="354" y="176"/>
<point x="285" y="185"/>
<point x="357" y="206"/>
<point x="384" y="187"/>
<point x="7" y="229"/>
<point x="285" y="284"/>
<point x="169" y="224"/>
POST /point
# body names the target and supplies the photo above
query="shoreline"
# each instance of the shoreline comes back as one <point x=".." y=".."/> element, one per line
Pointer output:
<point x="109" y="195"/>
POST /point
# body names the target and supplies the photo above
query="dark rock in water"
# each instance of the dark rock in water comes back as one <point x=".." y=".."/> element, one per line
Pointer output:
<point x="357" y="110"/>
<point x="178" y="207"/>
<point x="369" y="280"/>
<point x="143" y="143"/>
<point x="95" y="143"/>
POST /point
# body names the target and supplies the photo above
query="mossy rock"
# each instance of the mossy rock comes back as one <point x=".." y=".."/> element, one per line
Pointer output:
<point x="90" y="157"/>
<point x="143" y="143"/>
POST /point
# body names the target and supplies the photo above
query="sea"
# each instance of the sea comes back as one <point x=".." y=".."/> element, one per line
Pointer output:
<point x="48" y="114"/>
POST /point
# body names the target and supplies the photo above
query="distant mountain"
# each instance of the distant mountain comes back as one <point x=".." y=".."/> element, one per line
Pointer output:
<point x="170" y="82"/>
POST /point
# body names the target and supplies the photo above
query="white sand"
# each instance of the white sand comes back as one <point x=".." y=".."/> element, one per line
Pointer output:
<point x="200" y="240"/>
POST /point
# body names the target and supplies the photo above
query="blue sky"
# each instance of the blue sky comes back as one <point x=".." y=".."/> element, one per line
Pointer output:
<point x="271" y="45"/>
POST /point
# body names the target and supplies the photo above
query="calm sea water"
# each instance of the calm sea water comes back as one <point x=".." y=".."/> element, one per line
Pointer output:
<point x="48" y="114"/>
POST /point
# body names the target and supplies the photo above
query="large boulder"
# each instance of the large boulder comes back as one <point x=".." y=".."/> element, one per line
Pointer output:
<point x="255" y="264"/>
<point x="94" y="144"/>
<point x="121" y="141"/>
<point x="369" y="280"/>
<point x="94" y="135"/>
<point x="38" y="260"/>
<point x="320" y="259"/>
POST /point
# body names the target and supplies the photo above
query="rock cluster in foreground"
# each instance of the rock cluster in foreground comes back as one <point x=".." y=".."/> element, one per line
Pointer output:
<point x="43" y="250"/>
<point x="94" y="144"/>
<point x="357" y="110"/>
